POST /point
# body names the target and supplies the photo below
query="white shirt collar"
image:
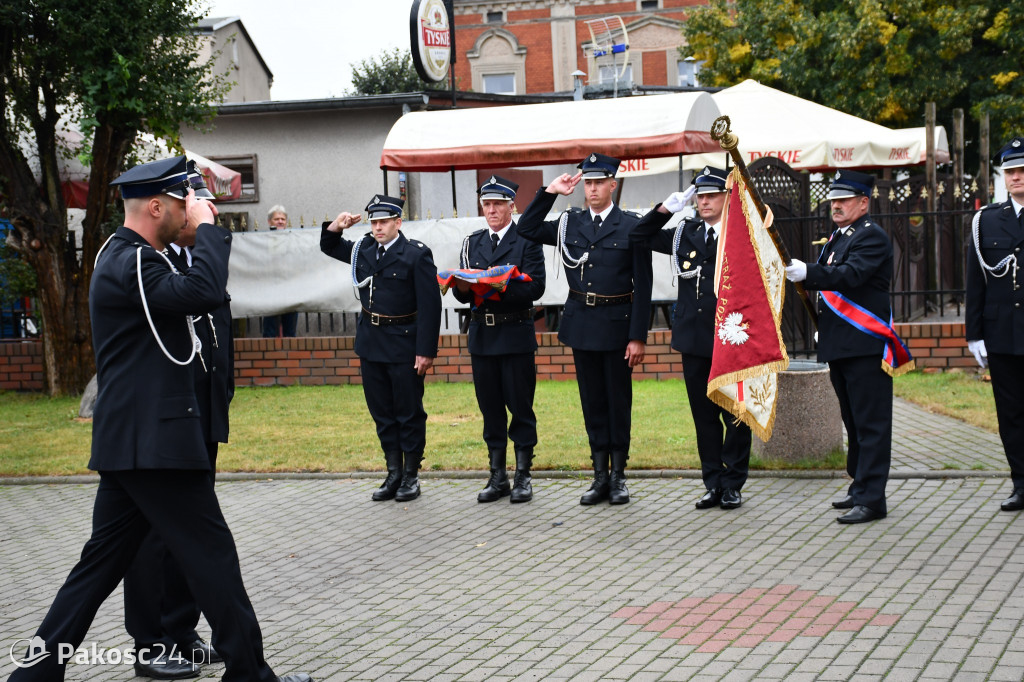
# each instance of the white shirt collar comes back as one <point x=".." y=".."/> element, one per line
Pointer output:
<point x="1016" y="207"/>
<point x="604" y="213"/>
<point x="179" y="249"/>
<point x="501" y="233"/>
<point x="389" y="244"/>
<point x="717" y="227"/>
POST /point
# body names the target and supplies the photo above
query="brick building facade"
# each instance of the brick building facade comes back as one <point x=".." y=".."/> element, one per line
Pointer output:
<point x="534" y="46"/>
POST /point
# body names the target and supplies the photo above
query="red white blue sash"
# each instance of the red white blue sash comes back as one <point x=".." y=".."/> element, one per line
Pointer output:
<point x="896" y="358"/>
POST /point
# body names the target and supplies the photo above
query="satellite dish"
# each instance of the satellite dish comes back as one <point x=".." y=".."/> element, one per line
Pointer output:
<point x="608" y="37"/>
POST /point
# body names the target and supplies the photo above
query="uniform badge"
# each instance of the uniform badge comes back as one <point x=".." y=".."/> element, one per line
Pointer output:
<point x="1015" y="143"/>
<point x="693" y="254"/>
<point x="492" y="181"/>
<point x="707" y="171"/>
<point x="593" y="158"/>
<point x="686" y="265"/>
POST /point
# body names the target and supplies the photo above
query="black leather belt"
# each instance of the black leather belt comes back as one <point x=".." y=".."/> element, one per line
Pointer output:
<point x="491" y="319"/>
<point x="378" y="320"/>
<point x="599" y="299"/>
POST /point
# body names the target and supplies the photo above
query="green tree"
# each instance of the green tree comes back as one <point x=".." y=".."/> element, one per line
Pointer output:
<point x="389" y="72"/>
<point x="878" y="60"/>
<point x="112" y="69"/>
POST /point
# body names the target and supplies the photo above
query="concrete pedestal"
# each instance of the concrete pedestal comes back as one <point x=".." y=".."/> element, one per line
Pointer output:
<point x="808" y="425"/>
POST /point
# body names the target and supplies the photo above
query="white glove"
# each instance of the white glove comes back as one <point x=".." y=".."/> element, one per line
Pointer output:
<point x="796" y="271"/>
<point x="677" y="201"/>
<point x="977" y="348"/>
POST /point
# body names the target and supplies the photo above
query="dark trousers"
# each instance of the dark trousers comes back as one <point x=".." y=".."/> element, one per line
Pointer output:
<point x="606" y="395"/>
<point x="159" y="608"/>
<point x="723" y="463"/>
<point x="506" y="381"/>
<point x="181" y="506"/>
<point x="394" y="396"/>
<point x="865" y="401"/>
<point x="1008" y="390"/>
<point x="283" y="325"/>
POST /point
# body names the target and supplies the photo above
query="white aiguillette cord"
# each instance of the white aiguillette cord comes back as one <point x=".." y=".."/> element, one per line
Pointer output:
<point x="1004" y="265"/>
<point x="196" y="343"/>
<point x="567" y="260"/>
<point x="356" y="284"/>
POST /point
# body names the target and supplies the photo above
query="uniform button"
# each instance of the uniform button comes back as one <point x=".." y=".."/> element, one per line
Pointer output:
<point x="591" y="247"/>
<point x="1017" y="250"/>
<point x="1016" y="305"/>
<point x="591" y="265"/>
<point x="700" y="310"/>
<point x="189" y="410"/>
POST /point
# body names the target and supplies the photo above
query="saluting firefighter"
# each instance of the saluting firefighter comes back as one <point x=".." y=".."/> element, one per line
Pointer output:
<point x="693" y="246"/>
<point x="148" y="445"/>
<point x="852" y="278"/>
<point x="606" y="315"/>
<point x="396" y="338"/>
<point x="502" y="340"/>
<point x="160" y="612"/>
<point x="995" y="319"/>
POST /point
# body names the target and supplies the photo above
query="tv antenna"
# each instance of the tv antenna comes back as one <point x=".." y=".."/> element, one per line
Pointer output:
<point x="608" y="36"/>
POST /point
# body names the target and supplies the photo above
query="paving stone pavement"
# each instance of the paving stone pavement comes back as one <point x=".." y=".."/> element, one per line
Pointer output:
<point x="444" y="588"/>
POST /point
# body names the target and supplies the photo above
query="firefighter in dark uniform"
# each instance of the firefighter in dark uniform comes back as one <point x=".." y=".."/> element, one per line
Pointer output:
<point x="995" y="319"/>
<point x="396" y="338"/>
<point x="502" y="340"/>
<point x="160" y="612"/>
<point x="607" y="313"/>
<point x="856" y="263"/>
<point x="147" y="444"/>
<point x="693" y="246"/>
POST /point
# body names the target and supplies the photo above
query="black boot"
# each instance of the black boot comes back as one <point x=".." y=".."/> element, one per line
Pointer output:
<point x="522" y="491"/>
<point x="599" y="488"/>
<point x="388" y="489"/>
<point x="497" y="484"/>
<point x="410" y="488"/>
<point x="618" y="494"/>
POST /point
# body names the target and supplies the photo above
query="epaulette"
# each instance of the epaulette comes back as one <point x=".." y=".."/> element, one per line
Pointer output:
<point x="416" y="242"/>
<point x="574" y="210"/>
<point x="995" y="205"/>
<point x="632" y="214"/>
<point x="476" y="232"/>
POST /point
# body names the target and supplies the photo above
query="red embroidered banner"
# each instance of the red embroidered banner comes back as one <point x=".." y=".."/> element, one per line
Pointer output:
<point x="750" y="285"/>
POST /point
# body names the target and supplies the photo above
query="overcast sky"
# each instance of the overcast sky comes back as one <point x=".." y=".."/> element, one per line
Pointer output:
<point x="310" y="44"/>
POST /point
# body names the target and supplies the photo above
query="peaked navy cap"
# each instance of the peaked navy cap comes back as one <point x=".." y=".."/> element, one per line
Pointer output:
<point x="598" y="166"/>
<point x="710" y="180"/>
<point x="497" y="187"/>
<point x="382" y="207"/>
<point x="1012" y="155"/>
<point x="848" y="183"/>
<point x="156" y="177"/>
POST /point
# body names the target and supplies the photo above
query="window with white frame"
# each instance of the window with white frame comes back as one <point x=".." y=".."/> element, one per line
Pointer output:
<point x="689" y="72"/>
<point x="607" y="74"/>
<point x="500" y="83"/>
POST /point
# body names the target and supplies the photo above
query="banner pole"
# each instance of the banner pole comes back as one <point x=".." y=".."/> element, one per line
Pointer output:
<point x="721" y="132"/>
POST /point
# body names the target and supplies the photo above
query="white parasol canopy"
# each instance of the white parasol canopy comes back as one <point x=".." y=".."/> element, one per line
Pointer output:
<point x="805" y="135"/>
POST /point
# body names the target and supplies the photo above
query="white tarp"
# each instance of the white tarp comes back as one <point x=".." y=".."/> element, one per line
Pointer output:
<point x="280" y="271"/>
<point x="805" y="135"/>
<point x="552" y="133"/>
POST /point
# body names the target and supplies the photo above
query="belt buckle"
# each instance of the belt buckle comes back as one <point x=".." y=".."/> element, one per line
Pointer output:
<point x="591" y="298"/>
<point x="489" y="319"/>
<point x="375" y="319"/>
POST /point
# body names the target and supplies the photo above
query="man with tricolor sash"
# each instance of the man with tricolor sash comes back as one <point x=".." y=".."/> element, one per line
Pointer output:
<point x="856" y="338"/>
<point x="995" y="309"/>
<point x="501" y="339"/>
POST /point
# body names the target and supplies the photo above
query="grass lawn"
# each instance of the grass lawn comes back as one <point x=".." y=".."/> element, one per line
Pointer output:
<point x="304" y="428"/>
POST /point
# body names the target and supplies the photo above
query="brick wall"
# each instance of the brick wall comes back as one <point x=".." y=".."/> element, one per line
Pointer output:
<point x="332" y="360"/>
<point x="21" y="366"/>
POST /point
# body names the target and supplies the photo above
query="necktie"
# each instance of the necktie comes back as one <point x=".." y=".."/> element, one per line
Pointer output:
<point x="380" y="252"/>
<point x="494" y="242"/>
<point x="711" y="236"/>
<point x="597" y="223"/>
